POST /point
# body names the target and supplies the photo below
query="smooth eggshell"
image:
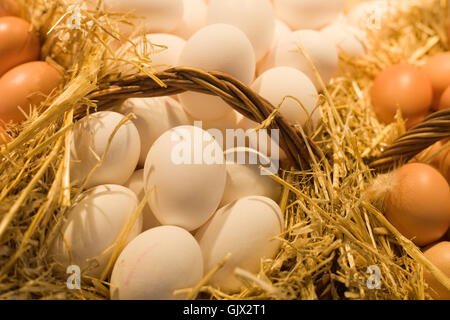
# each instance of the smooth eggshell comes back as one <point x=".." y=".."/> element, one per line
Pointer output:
<point x="155" y="264"/>
<point x="194" y="18"/>
<point x="245" y="228"/>
<point x="405" y="87"/>
<point x="369" y="15"/>
<point x="281" y="30"/>
<point x="217" y="47"/>
<point x="186" y="171"/>
<point x="256" y="18"/>
<point x="418" y="204"/>
<point x="322" y="52"/>
<point x="260" y="140"/>
<point x="158" y="15"/>
<point x="345" y="38"/>
<point x="9" y="8"/>
<point x="4" y="136"/>
<point x="154" y="116"/>
<point x="245" y="178"/>
<point x="93" y="225"/>
<point x="439" y="255"/>
<point x="19" y="43"/>
<point x="89" y="144"/>
<point x="444" y="102"/>
<point x="279" y="85"/>
<point x="25" y="87"/>
<point x="308" y="14"/>
<point x="437" y="69"/>
<point x="136" y="184"/>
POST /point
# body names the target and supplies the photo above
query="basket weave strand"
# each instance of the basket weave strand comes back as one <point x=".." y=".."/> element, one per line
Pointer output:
<point x="244" y="100"/>
<point x="433" y="129"/>
<point x="180" y="79"/>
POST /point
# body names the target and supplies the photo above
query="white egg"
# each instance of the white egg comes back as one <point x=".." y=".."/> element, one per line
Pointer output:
<point x="245" y="178"/>
<point x="136" y="184"/>
<point x="93" y="225"/>
<point x="186" y="171"/>
<point x="255" y="18"/>
<point x="281" y="30"/>
<point x="217" y="47"/>
<point x="158" y="15"/>
<point x="322" y="52"/>
<point x="218" y="128"/>
<point x="308" y="14"/>
<point x="245" y="228"/>
<point x="90" y="141"/>
<point x="154" y="116"/>
<point x="161" y="51"/>
<point x="345" y="38"/>
<point x="194" y="18"/>
<point x="264" y="141"/>
<point x="155" y="264"/>
<point x="280" y="85"/>
<point x="369" y="15"/>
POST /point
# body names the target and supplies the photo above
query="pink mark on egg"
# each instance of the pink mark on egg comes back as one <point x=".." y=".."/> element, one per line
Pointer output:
<point x="138" y="261"/>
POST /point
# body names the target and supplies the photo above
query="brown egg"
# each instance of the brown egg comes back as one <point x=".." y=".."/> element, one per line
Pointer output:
<point x="19" y="43"/>
<point x="444" y="102"/>
<point x="9" y="8"/>
<point x="418" y="204"/>
<point x="438" y="70"/>
<point x="439" y="255"/>
<point x="26" y="85"/>
<point x="404" y="87"/>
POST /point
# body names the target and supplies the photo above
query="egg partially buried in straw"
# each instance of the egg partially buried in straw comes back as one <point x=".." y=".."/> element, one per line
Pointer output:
<point x="19" y="43"/>
<point x="185" y="172"/>
<point x="245" y="228"/>
<point x="418" y="203"/>
<point x="217" y="47"/>
<point x="439" y="255"/>
<point x="317" y="47"/>
<point x="293" y="92"/>
<point x="25" y="87"/>
<point x="346" y="38"/>
<point x="155" y="264"/>
<point x="162" y="50"/>
<point x="402" y="87"/>
<point x="93" y="225"/>
<point x="108" y="137"/>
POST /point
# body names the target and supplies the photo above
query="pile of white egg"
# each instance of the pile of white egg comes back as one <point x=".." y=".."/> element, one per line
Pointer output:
<point x="197" y="211"/>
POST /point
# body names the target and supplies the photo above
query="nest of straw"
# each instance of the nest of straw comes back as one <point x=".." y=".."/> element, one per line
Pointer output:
<point x="333" y="232"/>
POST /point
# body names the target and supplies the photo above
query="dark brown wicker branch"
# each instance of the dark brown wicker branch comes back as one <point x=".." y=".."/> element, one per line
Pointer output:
<point x="433" y="129"/>
<point x="232" y="91"/>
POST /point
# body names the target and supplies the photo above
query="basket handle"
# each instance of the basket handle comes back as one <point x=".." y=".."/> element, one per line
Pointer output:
<point x="300" y="150"/>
